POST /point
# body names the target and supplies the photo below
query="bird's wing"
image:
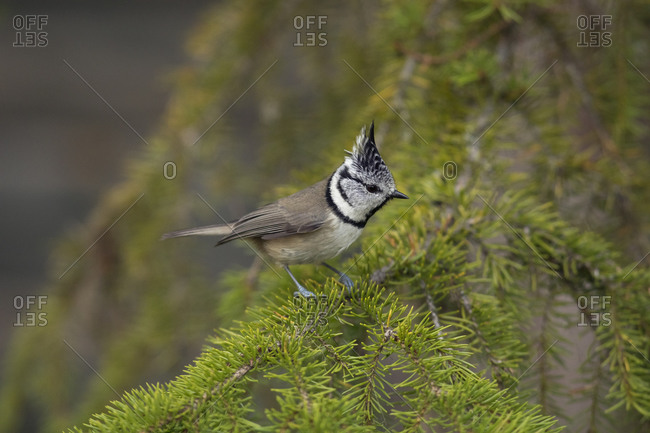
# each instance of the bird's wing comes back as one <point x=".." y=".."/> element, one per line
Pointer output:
<point x="273" y="221"/>
<point x="302" y="212"/>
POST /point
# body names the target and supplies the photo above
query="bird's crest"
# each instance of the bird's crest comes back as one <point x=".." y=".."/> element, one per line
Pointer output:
<point x="365" y="156"/>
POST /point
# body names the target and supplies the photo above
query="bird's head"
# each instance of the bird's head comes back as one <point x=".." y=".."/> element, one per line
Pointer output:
<point x="363" y="183"/>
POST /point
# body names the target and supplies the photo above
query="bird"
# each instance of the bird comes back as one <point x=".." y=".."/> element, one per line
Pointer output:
<point x="319" y="222"/>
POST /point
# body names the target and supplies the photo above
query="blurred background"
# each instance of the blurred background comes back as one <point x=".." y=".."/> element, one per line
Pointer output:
<point x="122" y="121"/>
<point x="62" y="145"/>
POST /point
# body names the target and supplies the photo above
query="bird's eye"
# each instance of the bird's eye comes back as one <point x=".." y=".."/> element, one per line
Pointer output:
<point x="372" y="188"/>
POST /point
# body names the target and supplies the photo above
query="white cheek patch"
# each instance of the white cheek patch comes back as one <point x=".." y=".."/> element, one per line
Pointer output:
<point x="357" y="215"/>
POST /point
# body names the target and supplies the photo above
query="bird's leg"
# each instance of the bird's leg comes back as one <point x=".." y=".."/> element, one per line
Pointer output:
<point x="301" y="290"/>
<point x="344" y="279"/>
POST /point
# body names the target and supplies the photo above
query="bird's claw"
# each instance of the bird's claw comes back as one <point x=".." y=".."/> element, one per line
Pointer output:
<point x="306" y="294"/>
<point x="346" y="281"/>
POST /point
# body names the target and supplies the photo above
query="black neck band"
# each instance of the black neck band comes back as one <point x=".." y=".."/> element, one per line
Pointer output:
<point x="337" y="211"/>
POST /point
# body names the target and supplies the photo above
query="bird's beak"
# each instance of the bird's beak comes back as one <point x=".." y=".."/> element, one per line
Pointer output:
<point x="397" y="194"/>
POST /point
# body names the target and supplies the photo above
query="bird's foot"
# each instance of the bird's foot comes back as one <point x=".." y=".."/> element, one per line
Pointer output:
<point x="346" y="281"/>
<point x="301" y="292"/>
<point x="304" y="293"/>
<point x="343" y="279"/>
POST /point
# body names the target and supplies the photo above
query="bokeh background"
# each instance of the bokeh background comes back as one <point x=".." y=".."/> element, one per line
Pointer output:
<point x="61" y="146"/>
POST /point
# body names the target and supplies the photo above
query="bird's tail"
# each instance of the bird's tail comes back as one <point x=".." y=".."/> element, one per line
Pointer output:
<point x="213" y="230"/>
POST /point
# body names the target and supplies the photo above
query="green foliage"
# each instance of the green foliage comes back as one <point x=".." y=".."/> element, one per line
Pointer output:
<point x="523" y="157"/>
<point x="403" y="371"/>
